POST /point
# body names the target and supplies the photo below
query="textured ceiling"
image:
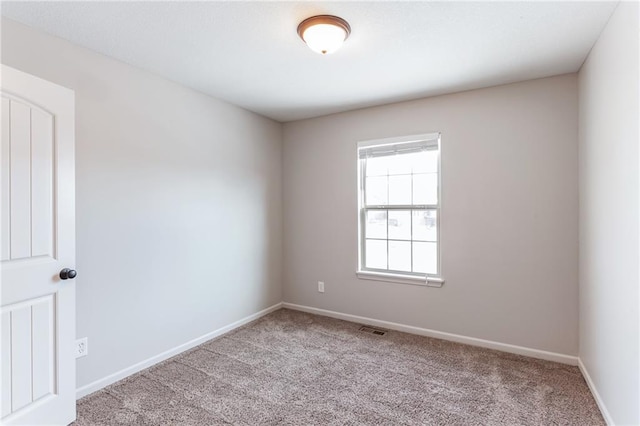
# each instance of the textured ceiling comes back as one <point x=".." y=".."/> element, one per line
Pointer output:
<point x="249" y="54"/>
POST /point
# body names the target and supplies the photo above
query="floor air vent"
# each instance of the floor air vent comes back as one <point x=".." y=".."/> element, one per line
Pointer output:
<point x="373" y="330"/>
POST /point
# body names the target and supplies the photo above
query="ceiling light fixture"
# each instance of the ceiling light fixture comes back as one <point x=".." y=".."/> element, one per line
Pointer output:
<point x="324" y="33"/>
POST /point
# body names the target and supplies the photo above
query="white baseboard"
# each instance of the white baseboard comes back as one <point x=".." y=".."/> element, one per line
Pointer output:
<point x="504" y="347"/>
<point x="596" y="395"/>
<point x="112" y="378"/>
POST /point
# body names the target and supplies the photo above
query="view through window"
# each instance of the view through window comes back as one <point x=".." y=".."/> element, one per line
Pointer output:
<point x="399" y="206"/>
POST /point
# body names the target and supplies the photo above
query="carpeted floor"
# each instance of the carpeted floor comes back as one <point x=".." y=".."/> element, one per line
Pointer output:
<point x="293" y="368"/>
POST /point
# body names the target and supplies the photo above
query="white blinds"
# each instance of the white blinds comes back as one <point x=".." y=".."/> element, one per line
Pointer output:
<point x="408" y="147"/>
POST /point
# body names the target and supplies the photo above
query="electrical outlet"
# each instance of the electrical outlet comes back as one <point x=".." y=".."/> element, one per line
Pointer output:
<point x="82" y="347"/>
<point x="321" y="286"/>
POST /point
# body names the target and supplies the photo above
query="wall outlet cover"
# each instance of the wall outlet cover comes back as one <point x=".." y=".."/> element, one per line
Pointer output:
<point x="82" y="347"/>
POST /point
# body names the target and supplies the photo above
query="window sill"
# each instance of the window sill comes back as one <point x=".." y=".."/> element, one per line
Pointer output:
<point x="402" y="279"/>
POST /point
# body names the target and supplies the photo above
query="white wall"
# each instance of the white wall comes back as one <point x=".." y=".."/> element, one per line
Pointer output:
<point x="509" y="214"/>
<point x="609" y="216"/>
<point x="178" y="204"/>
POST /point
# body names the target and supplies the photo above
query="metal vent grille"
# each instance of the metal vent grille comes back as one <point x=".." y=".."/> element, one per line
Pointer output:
<point x="373" y="330"/>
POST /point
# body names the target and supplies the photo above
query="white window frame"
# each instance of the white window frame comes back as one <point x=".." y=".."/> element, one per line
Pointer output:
<point x="431" y="280"/>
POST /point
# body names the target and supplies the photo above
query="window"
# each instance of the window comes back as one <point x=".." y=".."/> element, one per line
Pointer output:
<point x="399" y="209"/>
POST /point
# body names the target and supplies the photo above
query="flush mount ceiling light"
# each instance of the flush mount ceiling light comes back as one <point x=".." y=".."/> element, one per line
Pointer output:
<point x="324" y="33"/>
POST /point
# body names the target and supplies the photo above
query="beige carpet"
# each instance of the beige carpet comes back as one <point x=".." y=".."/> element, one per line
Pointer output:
<point x="292" y="368"/>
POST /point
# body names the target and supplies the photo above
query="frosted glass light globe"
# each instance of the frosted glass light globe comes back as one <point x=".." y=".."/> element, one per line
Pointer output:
<point x="324" y="38"/>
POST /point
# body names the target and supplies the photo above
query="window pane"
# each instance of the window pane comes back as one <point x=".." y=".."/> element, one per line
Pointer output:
<point x="376" y="191"/>
<point x="400" y="255"/>
<point x="376" y="226"/>
<point x="424" y="225"/>
<point x="425" y="162"/>
<point x="425" y="188"/>
<point x="376" y="254"/>
<point x="376" y="166"/>
<point x="394" y="237"/>
<point x="400" y="189"/>
<point x="425" y="258"/>
<point x="400" y="225"/>
<point x="400" y="164"/>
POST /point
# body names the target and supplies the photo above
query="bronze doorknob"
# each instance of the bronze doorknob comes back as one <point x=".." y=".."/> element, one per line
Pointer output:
<point x="68" y="274"/>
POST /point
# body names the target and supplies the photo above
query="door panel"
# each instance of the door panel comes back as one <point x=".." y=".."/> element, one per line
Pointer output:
<point x="20" y="181"/>
<point x="20" y="357"/>
<point x="37" y="313"/>
<point x="5" y="182"/>
<point x="28" y="181"/>
<point x="42" y="338"/>
<point x="5" y="359"/>
<point x="42" y="237"/>
<point x="30" y="351"/>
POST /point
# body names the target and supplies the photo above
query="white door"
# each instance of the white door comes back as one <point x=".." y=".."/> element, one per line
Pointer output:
<point x="37" y="314"/>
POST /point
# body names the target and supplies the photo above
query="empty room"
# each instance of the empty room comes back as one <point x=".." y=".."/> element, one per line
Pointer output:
<point x="320" y="213"/>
